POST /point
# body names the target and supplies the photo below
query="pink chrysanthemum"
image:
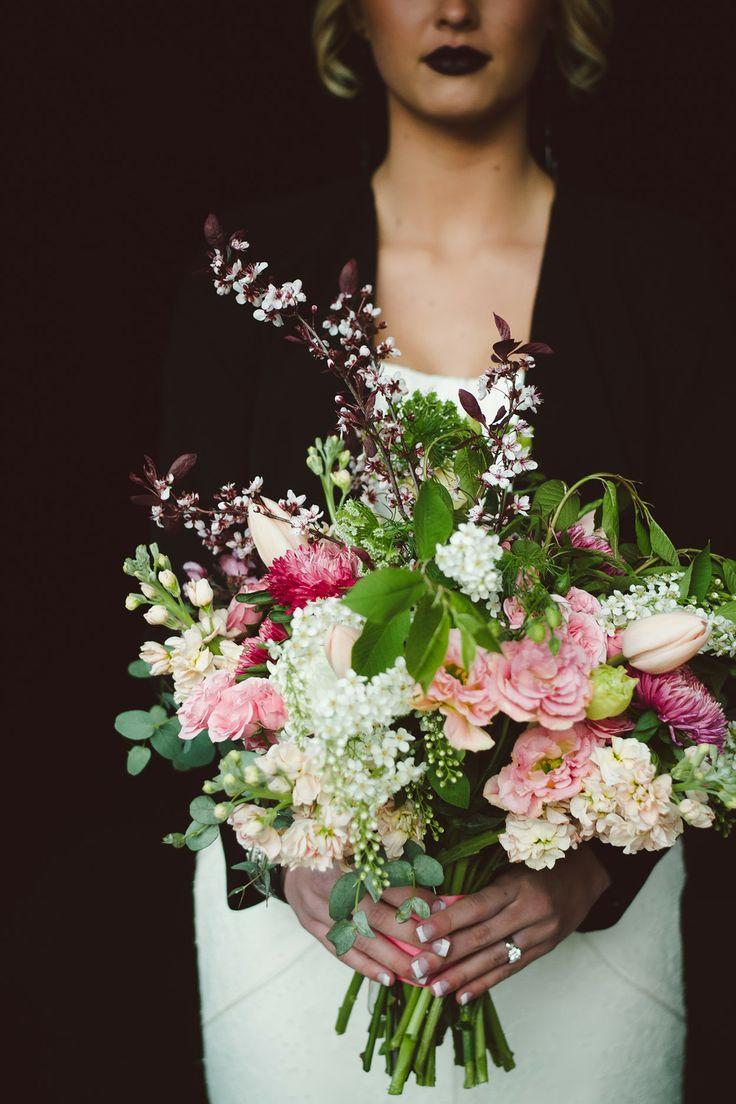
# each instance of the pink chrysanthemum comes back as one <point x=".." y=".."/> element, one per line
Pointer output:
<point x="323" y="570"/>
<point x="579" y="538"/>
<point x="254" y="651"/>
<point x="681" y="701"/>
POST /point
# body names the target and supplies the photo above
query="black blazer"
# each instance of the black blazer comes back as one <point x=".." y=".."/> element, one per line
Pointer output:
<point x="630" y="300"/>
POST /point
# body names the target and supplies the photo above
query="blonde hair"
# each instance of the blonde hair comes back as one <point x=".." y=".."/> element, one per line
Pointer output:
<point x="580" y="36"/>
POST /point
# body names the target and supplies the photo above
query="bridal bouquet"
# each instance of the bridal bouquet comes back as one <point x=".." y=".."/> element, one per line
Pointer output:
<point x="452" y="665"/>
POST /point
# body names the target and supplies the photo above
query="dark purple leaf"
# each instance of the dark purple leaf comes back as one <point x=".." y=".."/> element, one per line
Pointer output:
<point x="183" y="464"/>
<point x="349" y="278"/>
<point x="294" y="339"/>
<point x="504" y="348"/>
<point x="500" y="414"/>
<point x="534" y="348"/>
<point x="471" y="406"/>
<point x="213" y="232"/>
<point x="504" y="330"/>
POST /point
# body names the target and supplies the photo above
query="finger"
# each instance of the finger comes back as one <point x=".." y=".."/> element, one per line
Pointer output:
<point x="466" y="975"/>
<point x="386" y="954"/>
<point x="473" y="909"/>
<point x="382" y="918"/>
<point x="482" y="984"/>
<point x="479" y="937"/>
<point x="354" y="959"/>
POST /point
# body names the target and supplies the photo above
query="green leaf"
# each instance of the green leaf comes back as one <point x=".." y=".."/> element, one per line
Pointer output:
<point x="174" y="839"/>
<point x="662" y="546"/>
<point x="646" y="726"/>
<point x="399" y="872"/>
<point x="455" y="793"/>
<point x="642" y="536"/>
<point x="419" y="907"/>
<point x="342" y="935"/>
<point x="404" y="910"/>
<point x="729" y="575"/>
<point x="728" y="609"/>
<point x="139" y="669"/>
<point x="202" y="809"/>
<point x="411" y="850"/>
<point x="158" y="715"/>
<point x="548" y="496"/>
<point x="470" y="846"/>
<point x="382" y="594"/>
<point x="702" y="574"/>
<point x="609" y="515"/>
<point x="135" y="724"/>
<point x="468" y="464"/>
<point x="200" y="836"/>
<point x="468" y="646"/>
<point x="137" y="760"/>
<point x="247" y="865"/>
<point x="684" y="587"/>
<point x="569" y="513"/>
<point x="428" y="871"/>
<point x="374" y="887"/>
<point x="196" y="753"/>
<point x="528" y="552"/>
<point x="380" y="644"/>
<point x="363" y="927"/>
<point x="166" y="740"/>
<point x="345" y="894"/>
<point x="432" y="518"/>
<point x="426" y="644"/>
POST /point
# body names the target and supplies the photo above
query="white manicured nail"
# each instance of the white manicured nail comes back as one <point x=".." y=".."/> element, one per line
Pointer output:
<point x="438" y="905"/>
<point x="384" y="978"/>
<point x="441" y="947"/>
<point x="419" y="967"/>
<point x="422" y="980"/>
<point x="465" y="997"/>
<point x="423" y="933"/>
<point x="439" y="988"/>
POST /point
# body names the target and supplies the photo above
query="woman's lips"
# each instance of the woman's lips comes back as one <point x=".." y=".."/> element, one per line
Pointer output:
<point x="456" y="61"/>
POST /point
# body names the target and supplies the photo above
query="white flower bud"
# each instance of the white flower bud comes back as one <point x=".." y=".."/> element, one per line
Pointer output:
<point x="209" y="787"/>
<point x="223" y="810"/>
<point x="169" y="581"/>
<point x="252" y="775"/>
<point x="341" y="479"/>
<point x="133" y="601"/>
<point x="150" y="592"/>
<point x="199" y="592"/>
<point x="156" y="615"/>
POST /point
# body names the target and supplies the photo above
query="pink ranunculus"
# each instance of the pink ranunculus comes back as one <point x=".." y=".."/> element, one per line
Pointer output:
<point x="195" y="713"/>
<point x="463" y="698"/>
<point x="239" y="614"/>
<point x="613" y="644"/>
<point x="579" y="601"/>
<point x="530" y="684"/>
<point x="545" y="766"/>
<point x="585" y="631"/>
<point x="245" y="710"/>
<point x="514" y="613"/>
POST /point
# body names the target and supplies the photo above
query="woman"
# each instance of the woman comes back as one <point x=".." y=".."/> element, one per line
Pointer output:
<point x="457" y="221"/>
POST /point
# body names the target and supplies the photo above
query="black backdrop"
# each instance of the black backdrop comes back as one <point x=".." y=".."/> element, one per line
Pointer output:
<point x="131" y="121"/>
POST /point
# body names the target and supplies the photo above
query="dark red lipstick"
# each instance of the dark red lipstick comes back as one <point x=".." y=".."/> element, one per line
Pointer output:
<point x="456" y="61"/>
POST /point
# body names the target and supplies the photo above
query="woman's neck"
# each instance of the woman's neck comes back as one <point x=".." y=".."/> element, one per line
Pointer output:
<point x="457" y="186"/>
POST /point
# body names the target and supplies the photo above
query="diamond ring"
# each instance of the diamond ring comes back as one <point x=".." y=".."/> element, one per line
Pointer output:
<point x="513" y="952"/>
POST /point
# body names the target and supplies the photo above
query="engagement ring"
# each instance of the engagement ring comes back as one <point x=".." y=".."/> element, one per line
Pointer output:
<point x="513" y="952"/>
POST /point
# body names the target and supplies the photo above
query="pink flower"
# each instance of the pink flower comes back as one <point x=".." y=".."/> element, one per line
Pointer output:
<point x="194" y="571"/>
<point x="610" y="727"/>
<point x="681" y="701"/>
<point x="463" y="698"/>
<point x="545" y="766"/>
<point x="583" y="536"/>
<point x="514" y="613"/>
<point x="579" y="601"/>
<point x="613" y="644"/>
<point x="247" y="710"/>
<point x="584" y="630"/>
<point x="531" y="684"/>
<point x="232" y="566"/>
<point x="194" y="714"/>
<point x="254" y="651"/>
<point x="324" y="570"/>
<point x="239" y="614"/>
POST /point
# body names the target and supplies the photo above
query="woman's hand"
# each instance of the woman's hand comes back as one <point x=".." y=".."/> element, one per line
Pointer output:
<point x="308" y="892"/>
<point x="465" y="943"/>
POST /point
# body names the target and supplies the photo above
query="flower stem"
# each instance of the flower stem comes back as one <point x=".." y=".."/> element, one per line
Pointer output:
<point x="409" y="1042"/>
<point x="374" y="1026"/>
<point x="466" y="1032"/>
<point x="346" y="1007"/>
<point x="426" y="1043"/>
<point x="479" y="1044"/>
<point x="411" y="999"/>
<point x="501" y="1053"/>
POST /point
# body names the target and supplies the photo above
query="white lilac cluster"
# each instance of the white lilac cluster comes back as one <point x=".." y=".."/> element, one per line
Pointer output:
<point x="624" y="801"/>
<point x="471" y="558"/>
<point x="346" y="721"/>
<point x="661" y="594"/>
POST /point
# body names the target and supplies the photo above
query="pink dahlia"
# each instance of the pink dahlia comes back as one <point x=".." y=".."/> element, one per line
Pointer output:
<point x="545" y="766"/>
<point x="324" y="570"/>
<point x="681" y="701"/>
<point x="254" y="650"/>
<point x="530" y="684"/>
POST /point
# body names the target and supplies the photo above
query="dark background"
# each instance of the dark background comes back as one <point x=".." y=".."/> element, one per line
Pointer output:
<point x="131" y="122"/>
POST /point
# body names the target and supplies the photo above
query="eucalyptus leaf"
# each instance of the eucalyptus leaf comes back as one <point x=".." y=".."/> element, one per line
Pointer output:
<point x="411" y="850"/>
<point x="404" y="910"/>
<point x="158" y="715"/>
<point x="139" y="669"/>
<point x="200" y="836"/>
<point x="362" y="926"/>
<point x="138" y="758"/>
<point x="135" y="724"/>
<point x="420" y="908"/>
<point x="342" y="935"/>
<point x="166" y="740"/>
<point x="196" y="753"/>
<point x="432" y="518"/>
<point x="344" y="895"/>
<point x="428" y="871"/>
<point x="399" y="872"/>
<point x="382" y="594"/>
<point x="202" y="809"/>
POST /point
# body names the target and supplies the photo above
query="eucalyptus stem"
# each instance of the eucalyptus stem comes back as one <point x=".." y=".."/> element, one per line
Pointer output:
<point x="374" y="1027"/>
<point x="346" y="1007"/>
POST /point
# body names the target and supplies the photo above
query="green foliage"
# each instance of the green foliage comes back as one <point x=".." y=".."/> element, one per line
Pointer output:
<point x="642" y="536"/>
<point x="428" y="871"/>
<point x="135" y="724"/>
<point x="426" y="644"/>
<point x="399" y="872"/>
<point x="702" y="574"/>
<point x="427" y="418"/>
<point x="468" y="464"/>
<point x="362" y="926"/>
<point x="728" y="609"/>
<point x="412" y="906"/>
<point x="646" y="726"/>
<point x="455" y="791"/>
<point x="380" y="644"/>
<point x="357" y="525"/>
<point x="342" y="935"/>
<point x="432" y="518"/>
<point x="609" y="515"/>
<point x="194" y="753"/>
<point x="382" y="594"/>
<point x="139" y="669"/>
<point x="202" y="810"/>
<point x="548" y="496"/>
<point x="729" y="575"/>
<point x="166" y="740"/>
<point x="662" y="546"/>
<point x="344" y="895"/>
<point x="199" y="836"/>
<point x="568" y="515"/>
<point x="138" y="758"/>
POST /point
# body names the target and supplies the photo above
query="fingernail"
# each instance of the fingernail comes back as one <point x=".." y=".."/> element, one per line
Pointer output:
<point x="424" y="932"/>
<point x="384" y="978"/>
<point x="439" y="988"/>
<point x="438" y="905"/>
<point x="441" y="947"/>
<point x="419" y="967"/>
<point x="422" y="980"/>
<point x="465" y="997"/>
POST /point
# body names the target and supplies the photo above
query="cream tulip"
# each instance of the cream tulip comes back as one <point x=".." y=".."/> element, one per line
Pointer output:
<point x="664" y="641"/>
<point x="339" y="648"/>
<point x="271" y="536"/>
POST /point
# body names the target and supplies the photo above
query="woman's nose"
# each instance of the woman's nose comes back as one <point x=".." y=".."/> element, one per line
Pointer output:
<point x="457" y="15"/>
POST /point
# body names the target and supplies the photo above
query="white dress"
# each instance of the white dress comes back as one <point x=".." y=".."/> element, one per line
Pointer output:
<point x="600" y="1020"/>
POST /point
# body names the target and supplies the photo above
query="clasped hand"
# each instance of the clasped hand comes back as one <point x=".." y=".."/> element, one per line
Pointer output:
<point x="462" y="946"/>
